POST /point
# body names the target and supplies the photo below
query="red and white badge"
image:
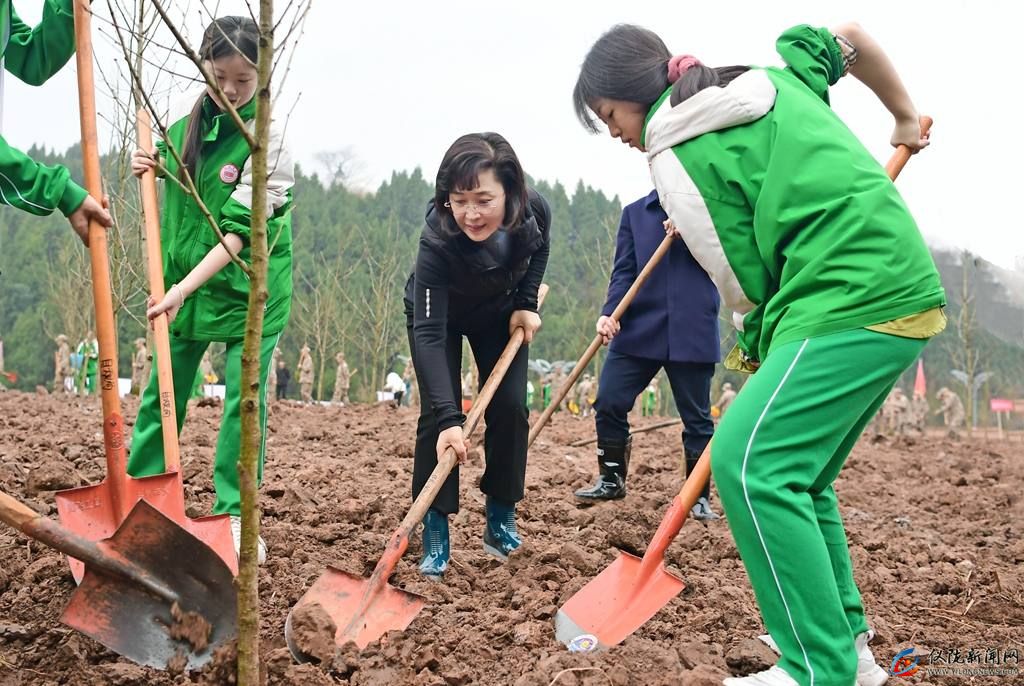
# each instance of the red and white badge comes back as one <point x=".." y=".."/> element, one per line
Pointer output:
<point x="229" y="173"/>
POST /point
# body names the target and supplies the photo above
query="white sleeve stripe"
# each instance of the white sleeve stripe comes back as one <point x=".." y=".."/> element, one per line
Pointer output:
<point x="22" y="197"/>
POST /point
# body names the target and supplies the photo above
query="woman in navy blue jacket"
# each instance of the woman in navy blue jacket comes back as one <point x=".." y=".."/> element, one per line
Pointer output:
<point x="671" y="324"/>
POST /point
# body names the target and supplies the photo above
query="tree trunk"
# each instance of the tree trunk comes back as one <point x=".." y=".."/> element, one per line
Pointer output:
<point x="252" y="396"/>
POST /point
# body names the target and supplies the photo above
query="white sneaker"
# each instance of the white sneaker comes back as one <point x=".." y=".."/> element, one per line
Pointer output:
<point x="236" y="535"/>
<point x="775" y="676"/>
<point x="868" y="671"/>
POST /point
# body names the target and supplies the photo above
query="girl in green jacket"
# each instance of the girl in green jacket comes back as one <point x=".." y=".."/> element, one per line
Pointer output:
<point x="833" y="290"/>
<point x="207" y="293"/>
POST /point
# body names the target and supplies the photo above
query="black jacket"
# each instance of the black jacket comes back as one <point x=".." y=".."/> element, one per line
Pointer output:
<point x="460" y="286"/>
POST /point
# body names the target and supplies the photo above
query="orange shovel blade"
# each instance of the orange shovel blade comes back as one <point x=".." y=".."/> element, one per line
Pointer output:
<point x="614" y="604"/>
<point x="90" y="511"/>
<point x="340" y="594"/>
<point x="215" y="532"/>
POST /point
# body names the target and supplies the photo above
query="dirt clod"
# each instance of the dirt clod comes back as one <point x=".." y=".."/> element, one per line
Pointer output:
<point x="312" y="632"/>
<point x="190" y="627"/>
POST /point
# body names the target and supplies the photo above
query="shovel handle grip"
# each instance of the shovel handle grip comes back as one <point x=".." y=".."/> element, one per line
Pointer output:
<point x="902" y="155"/>
<point x="595" y="344"/>
<point x="161" y="326"/>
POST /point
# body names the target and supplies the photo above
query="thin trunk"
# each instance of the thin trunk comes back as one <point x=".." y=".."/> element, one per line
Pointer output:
<point x="252" y="396"/>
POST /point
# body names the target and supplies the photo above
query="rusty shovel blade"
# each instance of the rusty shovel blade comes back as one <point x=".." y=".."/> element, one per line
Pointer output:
<point x="131" y="618"/>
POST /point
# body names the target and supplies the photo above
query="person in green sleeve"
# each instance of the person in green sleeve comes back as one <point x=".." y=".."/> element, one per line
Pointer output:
<point x="207" y="293"/>
<point x="833" y="290"/>
<point x="89" y="351"/>
<point x="33" y="55"/>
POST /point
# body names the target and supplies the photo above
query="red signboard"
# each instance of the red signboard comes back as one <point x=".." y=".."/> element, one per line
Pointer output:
<point x="1000" y="404"/>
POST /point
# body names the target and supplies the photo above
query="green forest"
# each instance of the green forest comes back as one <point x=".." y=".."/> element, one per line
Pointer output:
<point x="354" y="251"/>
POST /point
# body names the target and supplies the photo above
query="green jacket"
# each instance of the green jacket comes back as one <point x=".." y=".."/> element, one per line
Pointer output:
<point x="34" y="55"/>
<point x="217" y="311"/>
<point x="796" y="223"/>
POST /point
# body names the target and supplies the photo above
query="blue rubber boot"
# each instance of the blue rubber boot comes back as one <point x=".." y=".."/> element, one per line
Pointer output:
<point x="500" y="535"/>
<point x="436" y="548"/>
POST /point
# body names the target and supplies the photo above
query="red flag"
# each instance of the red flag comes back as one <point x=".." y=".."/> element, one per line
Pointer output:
<point x="920" y="386"/>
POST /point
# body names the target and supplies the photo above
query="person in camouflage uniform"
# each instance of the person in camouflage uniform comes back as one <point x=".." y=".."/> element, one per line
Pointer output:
<point x="272" y="376"/>
<point x="62" y="366"/>
<point x="919" y="411"/>
<point x="952" y="411"/>
<point x="585" y="395"/>
<point x="412" y="391"/>
<point x="724" y="400"/>
<point x="342" y="380"/>
<point x="901" y="417"/>
<point x="141" y="366"/>
<point x="306" y="374"/>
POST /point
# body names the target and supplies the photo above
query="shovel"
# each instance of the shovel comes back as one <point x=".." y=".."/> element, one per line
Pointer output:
<point x="365" y="609"/>
<point x="95" y="512"/>
<point x="215" y="530"/>
<point x="137" y="585"/>
<point x="595" y="344"/>
<point x="631" y="590"/>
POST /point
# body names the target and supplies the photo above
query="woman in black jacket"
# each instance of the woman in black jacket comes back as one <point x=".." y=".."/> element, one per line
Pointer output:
<point x="481" y="259"/>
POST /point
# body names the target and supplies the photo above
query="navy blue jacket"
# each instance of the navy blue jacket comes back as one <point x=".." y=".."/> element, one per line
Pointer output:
<point x="674" y="317"/>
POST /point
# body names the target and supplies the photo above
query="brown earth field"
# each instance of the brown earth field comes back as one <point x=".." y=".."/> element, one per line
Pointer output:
<point x="934" y="528"/>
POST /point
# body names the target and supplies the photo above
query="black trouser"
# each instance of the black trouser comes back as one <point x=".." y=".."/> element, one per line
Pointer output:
<point x="624" y="377"/>
<point x="507" y="422"/>
<point x="282" y="390"/>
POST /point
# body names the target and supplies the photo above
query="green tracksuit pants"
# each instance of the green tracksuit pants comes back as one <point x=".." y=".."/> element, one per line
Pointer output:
<point x="147" y="450"/>
<point x="774" y="458"/>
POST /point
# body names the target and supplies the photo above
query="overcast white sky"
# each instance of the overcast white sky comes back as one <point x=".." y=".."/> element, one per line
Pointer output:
<point x="398" y="81"/>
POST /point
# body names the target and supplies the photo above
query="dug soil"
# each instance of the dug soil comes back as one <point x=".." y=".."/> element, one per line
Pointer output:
<point x="934" y="528"/>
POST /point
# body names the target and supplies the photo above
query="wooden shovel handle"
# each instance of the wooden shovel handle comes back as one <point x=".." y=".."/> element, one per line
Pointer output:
<point x="903" y="153"/>
<point x="161" y="327"/>
<point x="595" y="344"/>
<point x="106" y="331"/>
<point x="29" y="522"/>
<point x="48" y="532"/>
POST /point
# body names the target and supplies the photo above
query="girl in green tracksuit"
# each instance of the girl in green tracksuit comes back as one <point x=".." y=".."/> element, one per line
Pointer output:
<point x="833" y="290"/>
<point x="207" y="293"/>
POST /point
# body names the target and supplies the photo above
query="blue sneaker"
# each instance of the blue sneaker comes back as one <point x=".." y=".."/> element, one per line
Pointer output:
<point x="436" y="548"/>
<point x="500" y="535"/>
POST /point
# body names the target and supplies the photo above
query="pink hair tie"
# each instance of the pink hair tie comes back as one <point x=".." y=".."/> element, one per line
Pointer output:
<point x="678" y="65"/>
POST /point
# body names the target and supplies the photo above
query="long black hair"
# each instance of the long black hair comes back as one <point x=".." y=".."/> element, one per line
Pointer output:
<point x="465" y="160"/>
<point x="224" y="37"/>
<point x="630" y="63"/>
